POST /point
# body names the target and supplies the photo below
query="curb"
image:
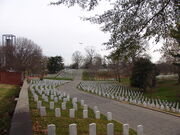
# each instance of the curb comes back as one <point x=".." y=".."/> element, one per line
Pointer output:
<point x="154" y="109"/>
<point x="21" y="122"/>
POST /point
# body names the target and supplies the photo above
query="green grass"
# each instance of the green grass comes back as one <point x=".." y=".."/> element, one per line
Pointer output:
<point x="125" y="81"/>
<point x="62" y="123"/>
<point x="7" y="105"/>
<point x="166" y="90"/>
<point x="56" y="78"/>
<point x="87" y="76"/>
<point x="96" y="76"/>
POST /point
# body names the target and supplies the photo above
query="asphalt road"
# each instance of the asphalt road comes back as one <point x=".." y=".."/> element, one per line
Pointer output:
<point x="155" y="123"/>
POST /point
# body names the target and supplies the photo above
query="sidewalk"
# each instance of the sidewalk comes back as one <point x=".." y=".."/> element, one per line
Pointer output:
<point x="21" y="123"/>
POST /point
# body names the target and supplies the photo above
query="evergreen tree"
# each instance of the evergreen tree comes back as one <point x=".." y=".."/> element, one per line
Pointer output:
<point x="143" y="74"/>
<point x="55" y="64"/>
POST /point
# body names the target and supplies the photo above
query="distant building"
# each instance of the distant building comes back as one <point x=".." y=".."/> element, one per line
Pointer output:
<point x="7" y="74"/>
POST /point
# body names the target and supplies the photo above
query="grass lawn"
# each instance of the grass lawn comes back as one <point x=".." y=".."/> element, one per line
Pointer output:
<point x="97" y="76"/>
<point x="62" y="123"/>
<point x="57" y="78"/>
<point x="7" y="105"/>
<point x="166" y="89"/>
<point x="125" y="81"/>
<point x="86" y="76"/>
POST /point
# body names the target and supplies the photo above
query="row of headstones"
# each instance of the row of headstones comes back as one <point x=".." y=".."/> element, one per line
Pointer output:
<point x="92" y="129"/>
<point x="166" y="106"/>
<point x="67" y="73"/>
<point x="72" y="111"/>
<point x="97" y="87"/>
<point x="154" y="103"/>
<point x="109" y="93"/>
<point x="63" y="106"/>
<point x="45" y="93"/>
<point x="48" y="82"/>
<point x="43" y="85"/>
<point x="113" y="96"/>
<point x="143" y="101"/>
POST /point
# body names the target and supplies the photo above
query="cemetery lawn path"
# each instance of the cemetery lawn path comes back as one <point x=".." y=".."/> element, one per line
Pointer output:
<point x="155" y="123"/>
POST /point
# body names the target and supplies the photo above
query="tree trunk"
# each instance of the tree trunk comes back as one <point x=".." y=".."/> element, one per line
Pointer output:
<point x="119" y="78"/>
<point x="179" y="77"/>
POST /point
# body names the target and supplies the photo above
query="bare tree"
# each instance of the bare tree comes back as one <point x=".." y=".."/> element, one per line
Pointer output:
<point x="28" y="55"/>
<point x="164" y="67"/>
<point x="90" y="53"/>
<point x="25" y="55"/>
<point x="170" y="49"/>
<point x="77" y="59"/>
<point x="97" y="62"/>
<point x="129" y="21"/>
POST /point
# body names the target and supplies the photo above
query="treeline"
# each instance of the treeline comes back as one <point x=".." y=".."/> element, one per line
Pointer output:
<point x="141" y="71"/>
<point x="26" y="56"/>
<point x="131" y="24"/>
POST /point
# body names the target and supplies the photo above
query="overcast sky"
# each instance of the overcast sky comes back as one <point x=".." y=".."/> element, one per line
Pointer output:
<point x="57" y="29"/>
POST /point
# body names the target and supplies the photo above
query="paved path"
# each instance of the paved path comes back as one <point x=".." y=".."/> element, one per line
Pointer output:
<point x="21" y="123"/>
<point x="155" y="123"/>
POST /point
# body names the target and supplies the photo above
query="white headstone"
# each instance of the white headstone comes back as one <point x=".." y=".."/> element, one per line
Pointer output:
<point x="85" y="114"/>
<point x="46" y="98"/>
<point x="42" y="111"/>
<point x="39" y="103"/>
<point x="97" y="114"/>
<point x="85" y="107"/>
<point x="36" y="98"/>
<point x="139" y="130"/>
<point x="63" y="106"/>
<point x="139" y="102"/>
<point x="153" y="105"/>
<point x="60" y="97"/>
<point x="110" y="129"/>
<point x="144" y="103"/>
<point x="125" y="129"/>
<point x="51" y="104"/>
<point x="52" y="97"/>
<point x="72" y="113"/>
<point x="177" y="107"/>
<point x="55" y="99"/>
<point x="68" y="97"/>
<point x="72" y="129"/>
<point x="95" y="109"/>
<point x="82" y="102"/>
<point x="173" y="109"/>
<point x="167" y="108"/>
<point x="162" y="107"/>
<point x="57" y="112"/>
<point x="75" y="106"/>
<point x="51" y="129"/>
<point x="109" y="116"/>
<point x="92" y="129"/>
<point x="157" y="105"/>
<point x="74" y="100"/>
<point x="64" y="99"/>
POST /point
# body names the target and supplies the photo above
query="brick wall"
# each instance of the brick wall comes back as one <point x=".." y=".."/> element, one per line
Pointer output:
<point x="15" y="78"/>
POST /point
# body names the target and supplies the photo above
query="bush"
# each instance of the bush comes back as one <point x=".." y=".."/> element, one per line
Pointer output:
<point x="143" y="74"/>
